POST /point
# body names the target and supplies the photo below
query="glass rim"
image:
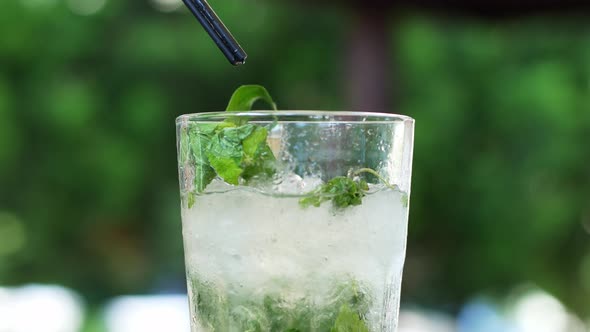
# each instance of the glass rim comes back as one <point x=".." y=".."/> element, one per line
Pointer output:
<point x="312" y="116"/>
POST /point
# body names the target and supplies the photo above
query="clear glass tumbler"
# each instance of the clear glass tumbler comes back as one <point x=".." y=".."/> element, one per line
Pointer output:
<point x="294" y="221"/>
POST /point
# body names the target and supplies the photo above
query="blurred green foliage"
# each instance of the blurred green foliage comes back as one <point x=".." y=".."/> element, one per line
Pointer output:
<point x="501" y="189"/>
<point x="88" y="182"/>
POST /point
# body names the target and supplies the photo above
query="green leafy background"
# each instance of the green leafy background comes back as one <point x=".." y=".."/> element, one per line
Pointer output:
<point x="88" y="179"/>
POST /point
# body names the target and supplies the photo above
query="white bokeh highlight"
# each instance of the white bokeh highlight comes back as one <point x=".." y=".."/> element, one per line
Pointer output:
<point x="40" y="308"/>
<point x="537" y="311"/>
<point x="149" y="313"/>
<point x="424" y="321"/>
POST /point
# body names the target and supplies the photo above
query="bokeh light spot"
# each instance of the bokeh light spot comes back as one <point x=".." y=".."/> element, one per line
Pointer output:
<point x="482" y="315"/>
<point x="150" y="313"/>
<point x="40" y="308"/>
<point x="71" y="104"/>
<point x="537" y="311"/>
<point x="12" y="234"/>
<point x="86" y="7"/>
<point x="166" y="6"/>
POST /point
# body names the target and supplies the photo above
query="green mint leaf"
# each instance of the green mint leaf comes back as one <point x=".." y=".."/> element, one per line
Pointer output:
<point x="194" y="142"/>
<point x="245" y="96"/>
<point x="258" y="157"/>
<point x="226" y="152"/>
<point x="199" y="141"/>
<point x="250" y="318"/>
<point x="225" y="157"/>
<point x="349" y="321"/>
<point x="353" y="301"/>
<point x="314" y="199"/>
<point x="279" y="313"/>
<point x="236" y="135"/>
<point x="240" y="152"/>
<point x="298" y="316"/>
<point x="190" y="198"/>
<point x="211" y="304"/>
<point x="243" y="99"/>
<point x="207" y="129"/>
<point x="341" y="190"/>
<point x="253" y="142"/>
<point x="184" y="150"/>
<point x="345" y="191"/>
<point x="227" y="168"/>
<point x="353" y="294"/>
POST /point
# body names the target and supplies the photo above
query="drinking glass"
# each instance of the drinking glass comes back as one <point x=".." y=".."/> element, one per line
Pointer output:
<point x="312" y="236"/>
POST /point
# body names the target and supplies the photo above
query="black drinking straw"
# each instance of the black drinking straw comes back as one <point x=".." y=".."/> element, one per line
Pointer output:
<point x="217" y="30"/>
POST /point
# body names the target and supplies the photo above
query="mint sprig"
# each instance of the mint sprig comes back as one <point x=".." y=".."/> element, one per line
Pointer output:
<point x="199" y="142"/>
<point x="343" y="191"/>
<point x="226" y="152"/>
<point x="348" y="321"/>
<point x="343" y="309"/>
<point x="231" y="150"/>
<point x="237" y="151"/>
<point x="244" y="97"/>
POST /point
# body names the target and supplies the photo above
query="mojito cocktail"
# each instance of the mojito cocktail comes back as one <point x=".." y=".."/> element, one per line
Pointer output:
<point x="294" y="221"/>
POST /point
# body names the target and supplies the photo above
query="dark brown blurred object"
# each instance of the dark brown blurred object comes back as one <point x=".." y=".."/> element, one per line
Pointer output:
<point x="368" y="63"/>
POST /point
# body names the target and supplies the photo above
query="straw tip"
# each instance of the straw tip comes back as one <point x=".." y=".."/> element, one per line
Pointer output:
<point x="237" y="61"/>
